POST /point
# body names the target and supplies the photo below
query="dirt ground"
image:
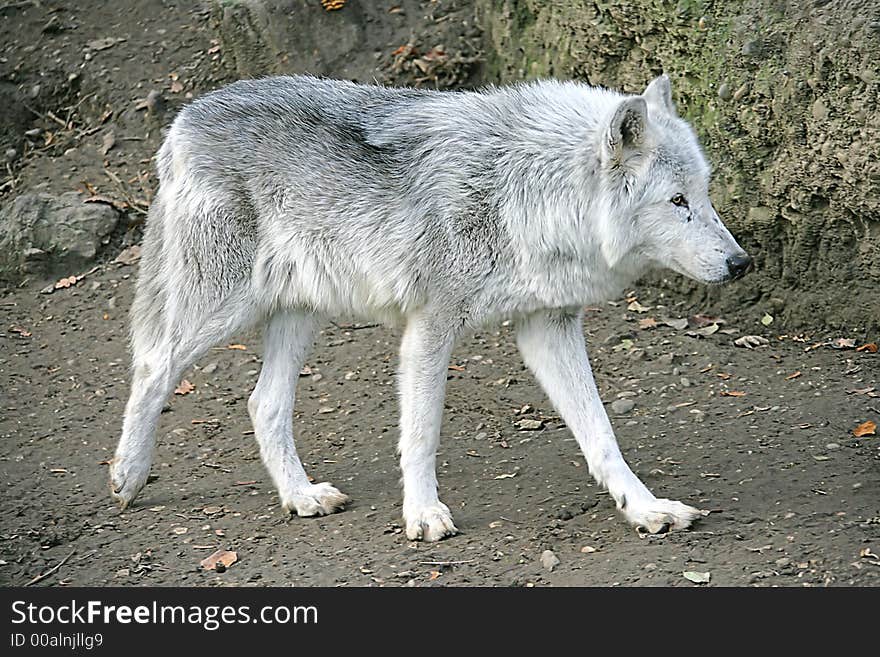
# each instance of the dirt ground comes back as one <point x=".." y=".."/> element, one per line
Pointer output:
<point x="761" y="437"/>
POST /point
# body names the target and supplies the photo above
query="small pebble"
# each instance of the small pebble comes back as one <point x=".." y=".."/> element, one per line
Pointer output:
<point x="622" y="406"/>
<point x="549" y="560"/>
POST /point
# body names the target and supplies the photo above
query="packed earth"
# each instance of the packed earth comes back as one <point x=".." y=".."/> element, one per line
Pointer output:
<point x="773" y="432"/>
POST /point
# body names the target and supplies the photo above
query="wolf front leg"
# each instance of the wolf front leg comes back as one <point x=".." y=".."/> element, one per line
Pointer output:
<point x="552" y="345"/>
<point x="424" y="360"/>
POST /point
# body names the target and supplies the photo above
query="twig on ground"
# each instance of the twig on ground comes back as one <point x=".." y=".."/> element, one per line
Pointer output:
<point x="53" y="569"/>
<point x="445" y="563"/>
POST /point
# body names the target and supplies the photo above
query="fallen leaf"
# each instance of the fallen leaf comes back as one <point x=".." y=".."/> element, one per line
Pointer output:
<point x="697" y="577"/>
<point x="865" y="553"/>
<point x="129" y="256"/>
<point x="678" y="324"/>
<point x="767" y="319"/>
<point x="793" y="376"/>
<point x="636" y="307"/>
<point x="103" y="44"/>
<point x="184" y="388"/>
<point x="751" y="341"/>
<point x="108" y="141"/>
<point x="237" y="347"/>
<point x="843" y="343"/>
<point x="699" y="320"/>
<point x="176" y="87"/>
<point x="434" y="574"/>
<point x="732" y="393"/>
<point x="704" y="331"/>
<point x="456" y="368"/>
<point x="624" y="344"/>
<point x="225" y="558"/>
<point x="861" y="391"/>
<point x="865" y="429"/>
<point x="648" y="323"/>
<point x="23" y="332"/>
<point x="333" y="5"/>
<point x="870" y="347"/>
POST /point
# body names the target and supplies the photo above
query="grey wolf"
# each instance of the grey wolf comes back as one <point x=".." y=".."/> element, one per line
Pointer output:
<point x="287" y="201"/>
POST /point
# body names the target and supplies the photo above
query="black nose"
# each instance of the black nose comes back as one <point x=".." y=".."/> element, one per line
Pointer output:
<point x="739" y="265"/>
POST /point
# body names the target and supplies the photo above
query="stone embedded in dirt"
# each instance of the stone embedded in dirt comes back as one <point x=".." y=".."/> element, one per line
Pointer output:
<point x="697" y="577"/>
<point x="40" y="231"/>
<point x="549" y="560"/>
<point x="622" y="406"/>
<point x="527" y="424"/>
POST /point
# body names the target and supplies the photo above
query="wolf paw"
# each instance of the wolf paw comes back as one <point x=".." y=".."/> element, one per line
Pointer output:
<point x="659" y="515"/>
<point x="126" y="481"/>
<point x="316" y="500"/>
<point x="430" y="523"/>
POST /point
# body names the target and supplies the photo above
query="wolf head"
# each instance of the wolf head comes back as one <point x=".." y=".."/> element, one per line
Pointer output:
<point x="656" y="181"/>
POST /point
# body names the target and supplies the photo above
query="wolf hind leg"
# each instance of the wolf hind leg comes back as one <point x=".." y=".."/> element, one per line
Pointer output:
<point x="165" y="343"/>
<point x="287" y="341"/>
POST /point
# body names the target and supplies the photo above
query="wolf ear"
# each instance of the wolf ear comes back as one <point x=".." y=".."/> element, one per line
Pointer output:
<point x="626" y="131"/>
<point x="658" y="95"/>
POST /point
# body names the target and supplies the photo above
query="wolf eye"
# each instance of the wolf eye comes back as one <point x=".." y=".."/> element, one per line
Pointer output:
<point x="679" y="200"/>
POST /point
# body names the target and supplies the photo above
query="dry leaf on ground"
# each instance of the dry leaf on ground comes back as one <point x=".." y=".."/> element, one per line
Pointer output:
<point x="129" y="256"/>
<point x="700" y="320"/>
<point x="751" y="341"/>
<point x="704" y="331"/>
<point x="865" y="429"/>
<point x="184" y="388"/>
<point x="223" y="558"/>
<point x="677" y="324"/>
<point x="108" y="142"/>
